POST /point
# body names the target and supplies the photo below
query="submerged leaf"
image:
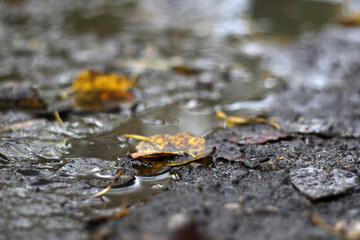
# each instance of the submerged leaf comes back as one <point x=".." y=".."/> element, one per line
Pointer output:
<point x="166" y="150"/>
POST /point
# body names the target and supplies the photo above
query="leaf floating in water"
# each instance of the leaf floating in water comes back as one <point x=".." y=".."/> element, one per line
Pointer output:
<point x="230" y="121"/>
<point x="167" y="151"/>
<point x="101" y="91"/>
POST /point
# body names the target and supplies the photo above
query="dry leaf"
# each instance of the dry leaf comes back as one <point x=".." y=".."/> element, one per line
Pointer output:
<point x="93" y="81"/>
<point x="97" y="91"/>
<point x="232" y="120"/>
<point x="166" y="150"/>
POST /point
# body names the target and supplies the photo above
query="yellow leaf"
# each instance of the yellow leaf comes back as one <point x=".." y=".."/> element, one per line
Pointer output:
<point x="166" y="150"/>
<point x="351" y="20"/>
<point x="97" y="91"/>
<point x="93" y="81"/>
<point x="230" y="121"/>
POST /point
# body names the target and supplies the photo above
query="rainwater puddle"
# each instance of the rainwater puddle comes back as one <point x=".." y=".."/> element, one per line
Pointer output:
<point x="294" y="17"/>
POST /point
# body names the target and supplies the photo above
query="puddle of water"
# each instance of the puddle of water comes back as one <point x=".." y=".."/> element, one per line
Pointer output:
<point x="293" y="17"/>
<point x="104" y="20"/>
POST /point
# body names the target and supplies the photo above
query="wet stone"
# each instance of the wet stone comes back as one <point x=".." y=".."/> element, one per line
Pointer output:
<point x="94" y="171"/>
<point x="317" y="183"/>
<point x="32" y="151"/>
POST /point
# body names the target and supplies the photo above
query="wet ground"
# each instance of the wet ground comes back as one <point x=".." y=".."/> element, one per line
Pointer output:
<point x="260" y="183"/>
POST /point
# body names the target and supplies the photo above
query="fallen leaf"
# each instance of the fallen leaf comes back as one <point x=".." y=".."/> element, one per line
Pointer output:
<point x="101" y="91"/>
<point x="230" y="121"/>
<point x="166" y="150"/>
<point x="93" y="81"/>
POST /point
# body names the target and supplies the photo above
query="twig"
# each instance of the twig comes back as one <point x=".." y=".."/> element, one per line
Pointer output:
<point x="334" y="230"/>
<point x="99" y="194"/>
<point x="58" y="118"/>
<point x="138" y="137"/>
<point x="341" y="157"/>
